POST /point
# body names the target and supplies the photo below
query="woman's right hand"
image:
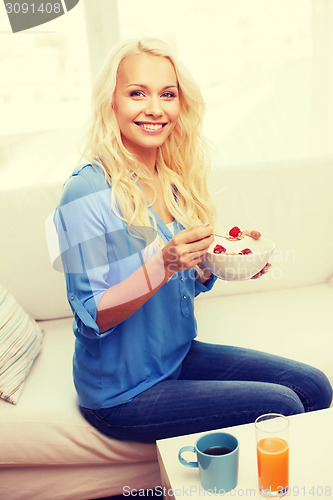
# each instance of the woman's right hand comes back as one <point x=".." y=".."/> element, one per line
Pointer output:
<point x="122" y="300"/>
<point x="187" y="248"/>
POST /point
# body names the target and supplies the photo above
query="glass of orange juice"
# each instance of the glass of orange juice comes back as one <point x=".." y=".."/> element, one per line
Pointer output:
<point x="272" y="435"/>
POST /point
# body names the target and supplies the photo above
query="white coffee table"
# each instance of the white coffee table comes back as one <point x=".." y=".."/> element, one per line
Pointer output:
<point x="311" y="461"/>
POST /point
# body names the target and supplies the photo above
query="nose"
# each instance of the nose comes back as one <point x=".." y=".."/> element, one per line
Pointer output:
<point x="153" y="107"/>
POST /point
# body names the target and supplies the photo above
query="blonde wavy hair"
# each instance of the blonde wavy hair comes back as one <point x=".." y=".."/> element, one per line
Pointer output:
<point x="182" y="161"/>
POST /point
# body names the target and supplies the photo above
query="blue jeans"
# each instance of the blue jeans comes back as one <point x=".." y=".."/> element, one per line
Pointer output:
<point x="219" y="386"/>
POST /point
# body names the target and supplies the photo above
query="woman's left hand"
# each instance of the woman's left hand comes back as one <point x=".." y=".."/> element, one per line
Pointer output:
<point x="256" y="235"/>
<point x="263" y="271"/>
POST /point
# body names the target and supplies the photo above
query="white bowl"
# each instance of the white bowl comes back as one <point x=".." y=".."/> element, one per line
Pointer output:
<point x="238" y="267"/>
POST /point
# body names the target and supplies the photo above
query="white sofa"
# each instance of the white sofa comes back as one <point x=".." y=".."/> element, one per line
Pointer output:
<point x="47" y="448"/>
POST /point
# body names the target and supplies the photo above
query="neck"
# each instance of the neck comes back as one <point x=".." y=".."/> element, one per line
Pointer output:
<point x="148" y="159"/>
<point x="147" y="156"/>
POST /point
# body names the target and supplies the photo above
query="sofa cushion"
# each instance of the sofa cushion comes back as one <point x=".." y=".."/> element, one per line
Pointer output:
<point x="296" y="323"/>
<point x="20" y="342"/>
<point x="25" y="265"/>
<point x="291" y="203"/>
<point x="47" y="427"/>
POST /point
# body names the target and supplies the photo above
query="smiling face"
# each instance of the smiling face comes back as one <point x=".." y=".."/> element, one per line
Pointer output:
<point x="146" y="102"/>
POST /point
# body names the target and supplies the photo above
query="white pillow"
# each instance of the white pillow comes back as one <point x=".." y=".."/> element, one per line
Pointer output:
<point x="20" y="342"/>
<point x="25" y="265"/>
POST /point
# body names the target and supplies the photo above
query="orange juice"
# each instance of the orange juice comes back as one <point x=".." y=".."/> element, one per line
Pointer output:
<point x="273" y="464"/>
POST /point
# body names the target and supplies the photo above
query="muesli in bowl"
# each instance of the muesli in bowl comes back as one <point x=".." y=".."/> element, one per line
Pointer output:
<point x="237" y="256"/>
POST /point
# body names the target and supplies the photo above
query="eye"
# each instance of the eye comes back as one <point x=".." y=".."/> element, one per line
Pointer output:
<point x="136" y="93"/>
<point x="169" y="95"/>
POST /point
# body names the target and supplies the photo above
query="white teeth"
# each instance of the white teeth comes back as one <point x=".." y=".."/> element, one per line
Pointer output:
<point x="151" y="126"/>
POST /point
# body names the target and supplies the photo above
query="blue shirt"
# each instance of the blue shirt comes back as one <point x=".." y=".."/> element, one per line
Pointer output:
<point x="112" y="367"/>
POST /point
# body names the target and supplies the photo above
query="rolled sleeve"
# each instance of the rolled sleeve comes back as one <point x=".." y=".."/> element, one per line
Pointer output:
<point x="85" y="317"/>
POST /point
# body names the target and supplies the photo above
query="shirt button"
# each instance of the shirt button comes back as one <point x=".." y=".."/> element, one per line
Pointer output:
<point x="184" y="297"/>
<point x="182" y="279"/>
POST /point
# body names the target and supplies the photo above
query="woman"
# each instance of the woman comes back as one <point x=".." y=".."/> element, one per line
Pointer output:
<point x="134" y="223"/>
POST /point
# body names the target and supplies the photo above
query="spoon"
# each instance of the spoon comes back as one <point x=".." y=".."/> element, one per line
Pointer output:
<point x="227" y="237"/>
<point x="252" y="234"/>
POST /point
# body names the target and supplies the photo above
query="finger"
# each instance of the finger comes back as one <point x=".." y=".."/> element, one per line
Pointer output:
<point x="193" y="253"/>
<point x="263" y="271"/>
<point x="184" y="253"/>
<point x="198" y="255"/>
<point x="186" y="246"/>
<point x="196" y="233"/>
<point x="266" y="268"/>
<point x="253" y="233"/>
<point x="193" y="259"/>
<point x="200" y="246"/>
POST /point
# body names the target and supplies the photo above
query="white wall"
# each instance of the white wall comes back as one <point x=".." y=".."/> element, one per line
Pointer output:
<point x="265" y="68"/>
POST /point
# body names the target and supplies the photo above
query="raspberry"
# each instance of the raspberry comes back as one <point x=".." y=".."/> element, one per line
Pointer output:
<point x="219" y="249"/>
<point x="234" y="232"/>
<point x="245" y="251"/>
